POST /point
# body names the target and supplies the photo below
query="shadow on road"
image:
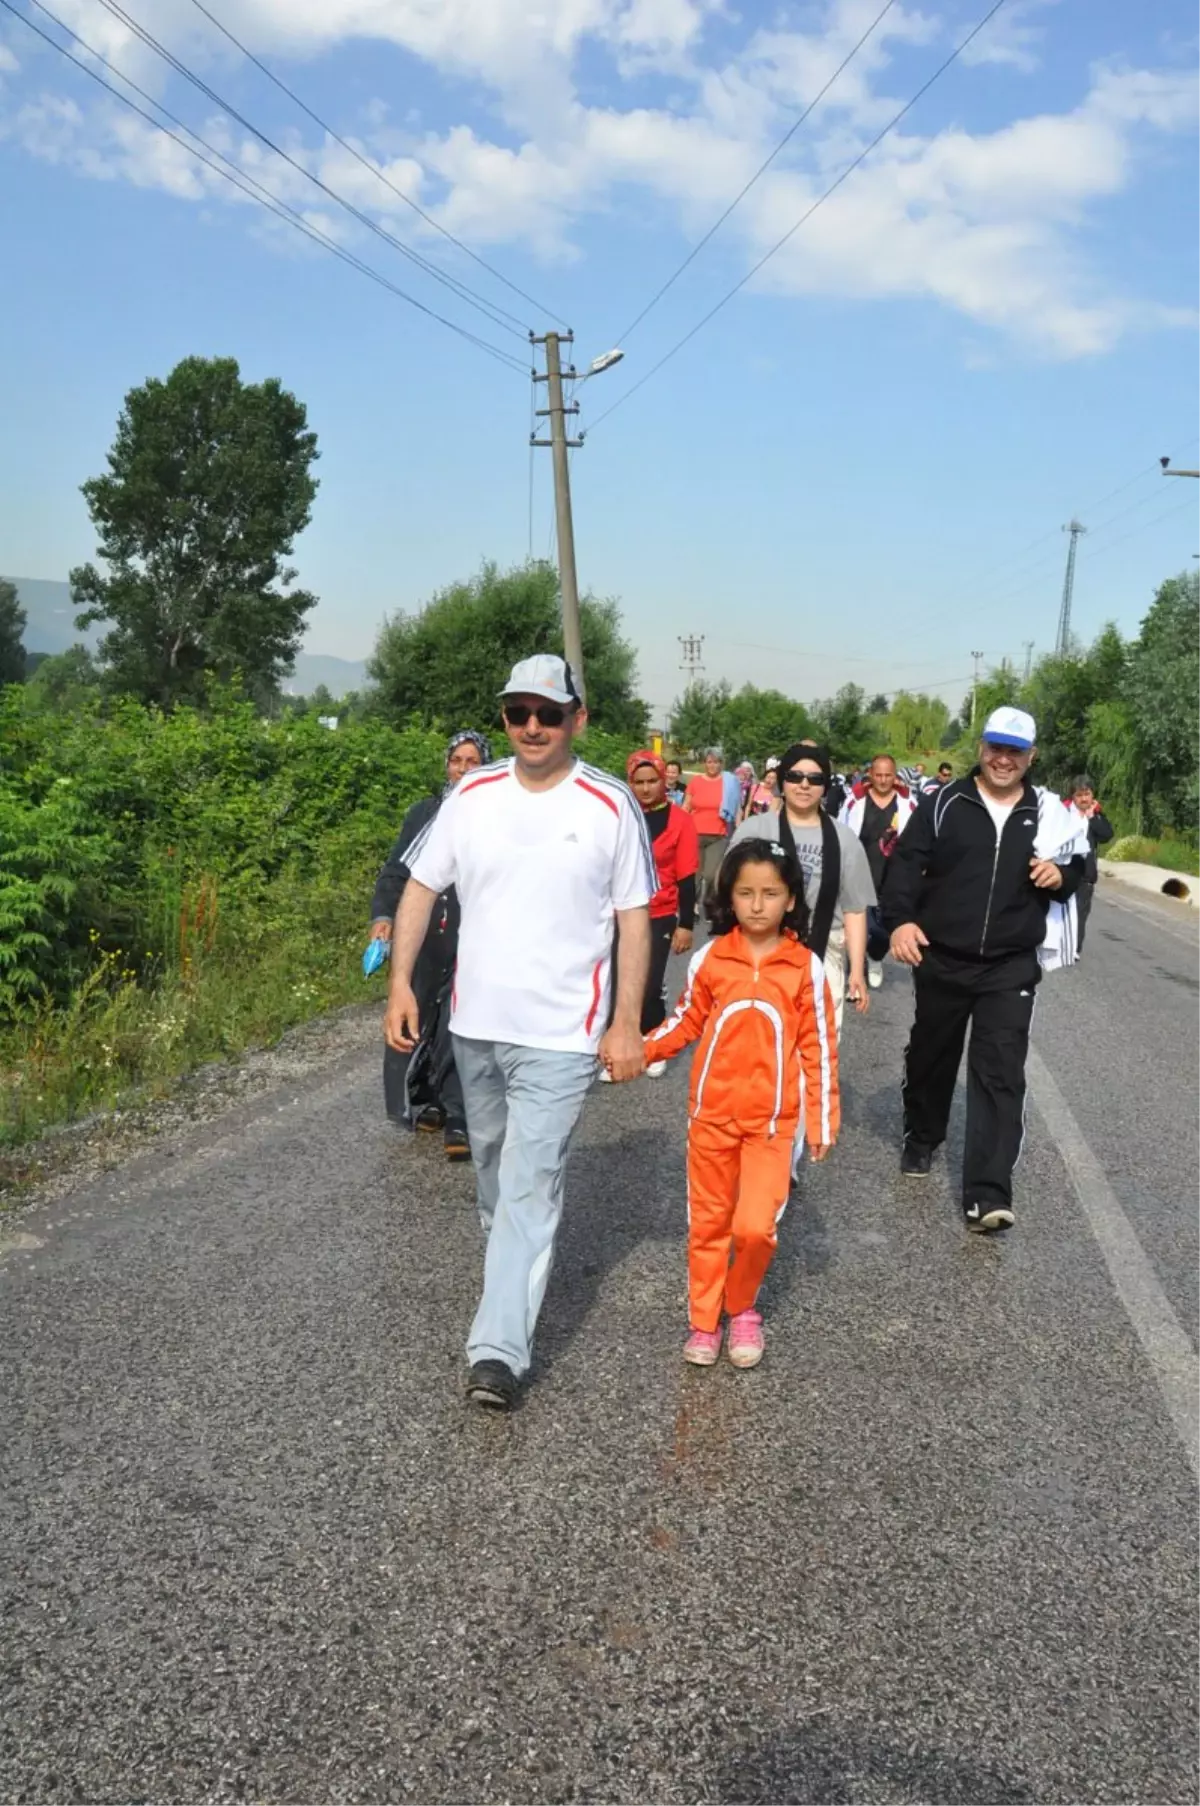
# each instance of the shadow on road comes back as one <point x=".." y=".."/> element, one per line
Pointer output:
<point x="619" y="1194"/>
<point x="817" y="1763"/>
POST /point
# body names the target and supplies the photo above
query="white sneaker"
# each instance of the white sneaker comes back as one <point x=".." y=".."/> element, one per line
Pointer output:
<point x="606" y="1077"/>
<point x="874" y="973"/>
<point x="656" y="1069"/>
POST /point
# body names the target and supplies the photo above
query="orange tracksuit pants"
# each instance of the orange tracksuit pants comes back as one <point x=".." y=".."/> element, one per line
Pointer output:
<point x="738" y="1186"/>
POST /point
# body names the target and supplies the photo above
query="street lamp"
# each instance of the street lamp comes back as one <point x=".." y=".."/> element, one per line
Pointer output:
<point x="605" y="361"/>
<point x="1176" y="473"/>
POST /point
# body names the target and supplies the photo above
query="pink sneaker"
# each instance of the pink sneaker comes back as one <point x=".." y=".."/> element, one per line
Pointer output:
<point x="702" y="1347"/>
<point x="745" y="1339"/>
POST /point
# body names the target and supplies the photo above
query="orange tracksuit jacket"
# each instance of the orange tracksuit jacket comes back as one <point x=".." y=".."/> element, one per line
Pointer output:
<point x="767" y="1055"/>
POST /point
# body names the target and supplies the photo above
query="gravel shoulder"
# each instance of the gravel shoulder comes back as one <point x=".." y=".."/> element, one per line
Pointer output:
<point x="44" y="1170"/>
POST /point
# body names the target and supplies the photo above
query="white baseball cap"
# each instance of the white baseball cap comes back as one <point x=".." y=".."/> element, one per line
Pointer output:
<point x="545" y="674"/>
<point x="1010" y="727"/>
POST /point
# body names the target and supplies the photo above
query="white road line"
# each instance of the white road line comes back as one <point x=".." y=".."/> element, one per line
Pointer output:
<point x="1166" y="1343"/>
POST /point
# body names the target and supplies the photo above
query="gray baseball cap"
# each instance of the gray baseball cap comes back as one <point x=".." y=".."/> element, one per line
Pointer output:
<point x="545" y="674"/>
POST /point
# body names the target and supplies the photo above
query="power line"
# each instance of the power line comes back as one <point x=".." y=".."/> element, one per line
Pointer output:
<point x="367" y="163"/>
<point x="804" y="217"/>
<point x="1097" y="542"/>
<point x="1146" y="524"/>
<point x="760" y="171"/>
<point x="499" y="316"/>
<point x="1121" y="488"/>
<point x="798" y="652"/>
<point x="252" y="189"/>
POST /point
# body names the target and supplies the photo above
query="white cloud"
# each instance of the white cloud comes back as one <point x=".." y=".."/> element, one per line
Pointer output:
<point x="985" y="224"/>
<point x="8" y="62"/>
<point x="1009" y="39"/>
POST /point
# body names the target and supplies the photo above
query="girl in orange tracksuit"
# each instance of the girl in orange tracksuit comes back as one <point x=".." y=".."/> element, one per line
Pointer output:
<point x="757" y="1001"/>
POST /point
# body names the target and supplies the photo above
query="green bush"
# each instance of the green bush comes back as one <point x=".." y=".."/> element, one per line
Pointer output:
<point x="1171" y="855"/>
<point x="1134" y="848"/>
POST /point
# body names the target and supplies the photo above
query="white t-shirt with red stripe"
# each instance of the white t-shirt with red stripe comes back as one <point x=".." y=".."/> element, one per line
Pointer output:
<point x="539" y="874"/>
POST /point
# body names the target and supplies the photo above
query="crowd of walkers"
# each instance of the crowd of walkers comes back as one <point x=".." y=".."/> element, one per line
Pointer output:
<point x="532" y="908"/>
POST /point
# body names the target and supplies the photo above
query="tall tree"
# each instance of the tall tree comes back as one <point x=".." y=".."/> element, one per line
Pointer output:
<point x="1162" y="693"/>
<point x="1059" y="695"/>
<point x="12" y="629"/>
<point x="59" y="680"/>
<point x="445" y="664"/>
<point x="697" y="716"/>
<point x="755" y="723"/>
<point x="915" y="724"/>
<point x="846" y="723"/>
<point x="208" y="484"/>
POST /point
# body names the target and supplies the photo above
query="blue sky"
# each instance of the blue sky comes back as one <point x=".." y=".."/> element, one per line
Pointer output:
<point x="859" y="469"/>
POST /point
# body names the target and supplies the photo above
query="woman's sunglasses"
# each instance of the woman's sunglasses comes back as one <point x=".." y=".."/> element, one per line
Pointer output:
<point x="815" y="778"/>
<point x="549" y="714"/>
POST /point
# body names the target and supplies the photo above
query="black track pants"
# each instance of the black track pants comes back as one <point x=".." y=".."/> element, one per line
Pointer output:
<point x="999" y="1019"/>
<point x="654" y="1008"/>
<point x="446" y="1086"/>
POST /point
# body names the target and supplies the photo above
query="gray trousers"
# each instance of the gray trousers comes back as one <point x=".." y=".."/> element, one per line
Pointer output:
<point x="522" y="1106"/>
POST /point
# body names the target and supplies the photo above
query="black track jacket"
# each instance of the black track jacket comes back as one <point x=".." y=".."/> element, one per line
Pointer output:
<point x="972" y="895"/>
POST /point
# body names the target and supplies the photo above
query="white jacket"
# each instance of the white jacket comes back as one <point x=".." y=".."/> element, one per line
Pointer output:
<point x="1061" y="834"/>
<point x="852" y="814"/>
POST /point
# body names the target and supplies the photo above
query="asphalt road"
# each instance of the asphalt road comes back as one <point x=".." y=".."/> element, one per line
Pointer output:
<point x="940" y="1546"/>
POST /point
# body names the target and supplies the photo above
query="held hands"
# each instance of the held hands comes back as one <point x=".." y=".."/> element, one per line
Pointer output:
<point x="907" y="942"/>
<point x="622" y="1054"/>
<point x="1045" y="874"/>
<point x="681" y="941"/>
<point x="402" y="1023"/>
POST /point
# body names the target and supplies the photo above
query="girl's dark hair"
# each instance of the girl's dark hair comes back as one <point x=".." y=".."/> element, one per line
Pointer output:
<point x="758" y="850"/>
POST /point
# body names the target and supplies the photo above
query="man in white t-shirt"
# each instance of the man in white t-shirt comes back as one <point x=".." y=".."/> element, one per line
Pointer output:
<point x="546" y="854"/>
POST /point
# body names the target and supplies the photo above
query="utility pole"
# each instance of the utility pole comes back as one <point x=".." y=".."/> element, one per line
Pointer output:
<point x="1028" y="645"/>
<point x="692" y="658"/>
<point x="1062" y="645"/>
<point x="559" y="443"/>
<point x="975" y="690"/>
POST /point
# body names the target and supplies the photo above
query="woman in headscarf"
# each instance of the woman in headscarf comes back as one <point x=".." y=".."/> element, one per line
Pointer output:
<point x="676" y="849"/>
<point x="422" y="1088"/>
<point x="763" y="797"/>
<point x="747" y="777"/>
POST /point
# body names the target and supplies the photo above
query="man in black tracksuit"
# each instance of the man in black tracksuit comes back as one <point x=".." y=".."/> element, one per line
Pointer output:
<point x="966" y="906"/>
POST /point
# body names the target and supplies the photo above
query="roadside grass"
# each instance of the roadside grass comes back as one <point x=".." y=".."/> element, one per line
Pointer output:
<point x="1170" y="855"/>
<point x="177" y="890"/>
<point x="118" y="1035"/>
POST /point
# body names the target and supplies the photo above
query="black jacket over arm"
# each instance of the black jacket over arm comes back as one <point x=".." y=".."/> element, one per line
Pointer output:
<point x="1100" y="831"/>
<point x="389" y="886"/>
<point x="971" y="894"/>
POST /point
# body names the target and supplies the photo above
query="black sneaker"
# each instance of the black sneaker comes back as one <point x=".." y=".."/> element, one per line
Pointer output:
<point x="985" y="1219"/>
<point x="916" y="1159"/>
<point x="429" y="1119"/>
<point x="492" y="1385"/>
<point x="454" y="1140"/>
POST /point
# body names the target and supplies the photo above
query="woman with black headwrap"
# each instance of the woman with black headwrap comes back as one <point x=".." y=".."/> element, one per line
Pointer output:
<point x="837" y="880"/>
<point x="422" y="1088"/>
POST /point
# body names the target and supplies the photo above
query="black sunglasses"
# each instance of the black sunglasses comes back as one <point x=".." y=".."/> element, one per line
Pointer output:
<point x="549" y="714"/>
<point x="815" y="778"/>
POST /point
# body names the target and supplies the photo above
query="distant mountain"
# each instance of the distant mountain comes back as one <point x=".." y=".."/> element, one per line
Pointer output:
<point x="50" y="617"/>
<point x="50" y="627"/>
<point x="339" y="675"/>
